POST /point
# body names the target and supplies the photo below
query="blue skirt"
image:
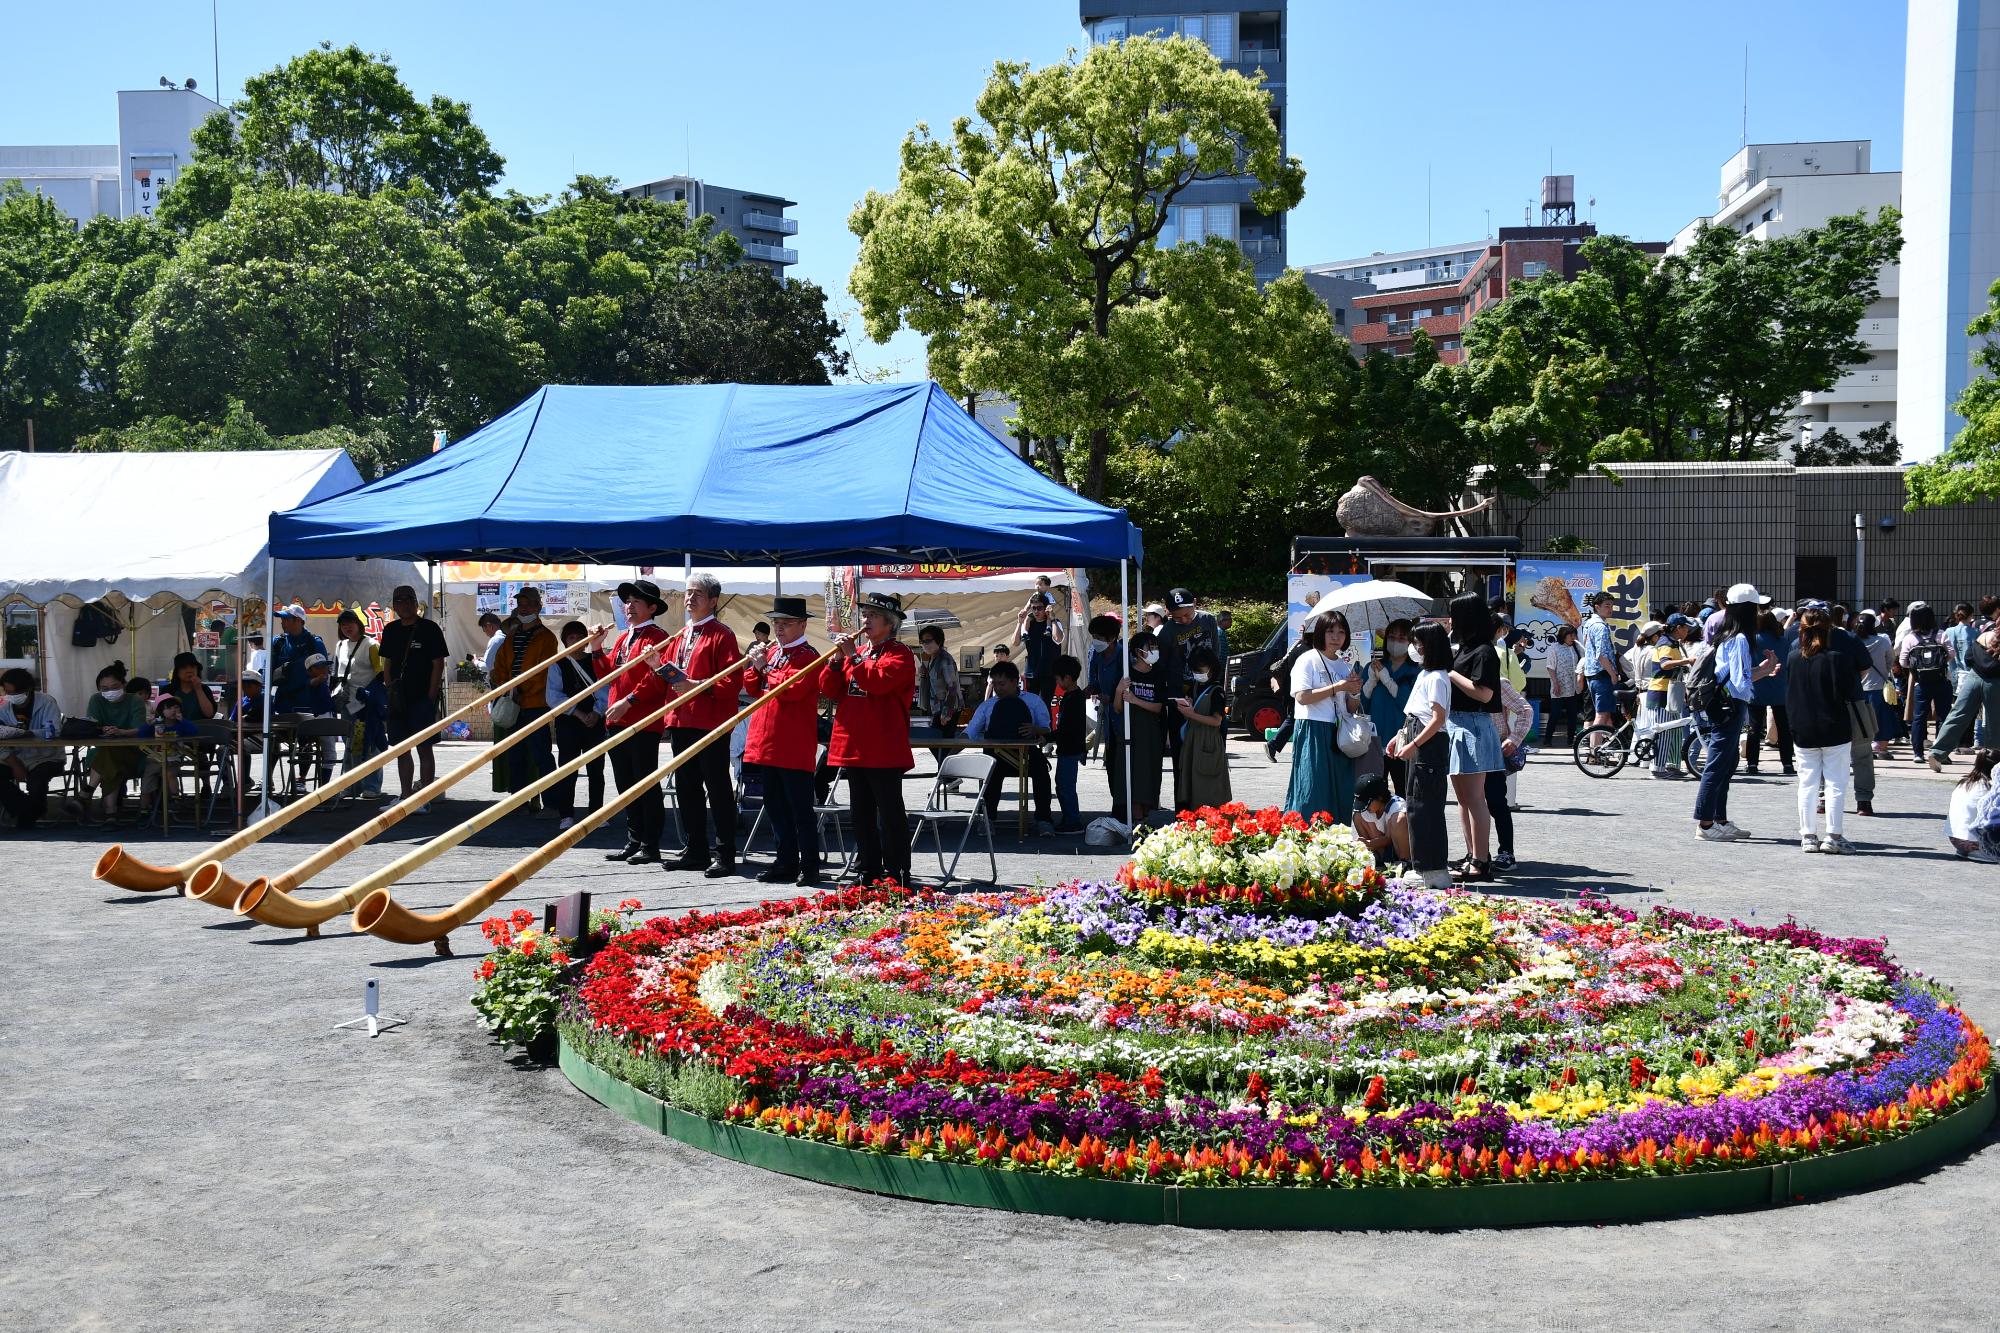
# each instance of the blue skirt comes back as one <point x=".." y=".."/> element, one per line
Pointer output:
<point x="1322" y="777"/>
<point x="1475" y="743"/>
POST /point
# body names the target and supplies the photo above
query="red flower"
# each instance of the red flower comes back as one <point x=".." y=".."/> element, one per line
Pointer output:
<point x="1377" y="1096"/>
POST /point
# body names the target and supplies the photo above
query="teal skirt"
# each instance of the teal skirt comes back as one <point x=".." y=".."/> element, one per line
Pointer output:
<point x="1322" y="777"/>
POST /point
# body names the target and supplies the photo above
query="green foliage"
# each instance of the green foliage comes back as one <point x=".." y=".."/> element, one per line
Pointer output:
<point x="1568" y="544"/>
<point x="690" y="1085"/>
<point x="1255" y="620"/>
<point x="1970" y="468"/>
<point x="1830" y="448"/>
<point x="1026" y="246"/>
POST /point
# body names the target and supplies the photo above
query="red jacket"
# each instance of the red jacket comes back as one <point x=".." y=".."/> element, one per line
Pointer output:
<point x="784" y="734"/>
<point x="641" y="686"/>
<point x="702" y="651"/>
<point x="871" y="723"/>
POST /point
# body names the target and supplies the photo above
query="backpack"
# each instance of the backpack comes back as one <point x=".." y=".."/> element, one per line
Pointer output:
<point x="94" y="623"/>
<point x="1707" y="695"/>
<point x="1927" y="658"/>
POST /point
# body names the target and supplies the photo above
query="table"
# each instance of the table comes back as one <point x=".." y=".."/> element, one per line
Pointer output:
<point x="918" y="741"/>
<point x="161" y="746"/>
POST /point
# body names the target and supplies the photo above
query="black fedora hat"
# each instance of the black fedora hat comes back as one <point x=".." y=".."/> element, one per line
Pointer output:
<point x="793" y="608"/>
<point x="888" y="603"/>
<point x="645" y="588"/>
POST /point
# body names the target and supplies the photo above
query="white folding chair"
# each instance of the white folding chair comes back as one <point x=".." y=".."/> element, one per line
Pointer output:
<point x="973" y="768"/>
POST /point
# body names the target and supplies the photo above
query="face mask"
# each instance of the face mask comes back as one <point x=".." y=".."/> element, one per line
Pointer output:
<point x="1149" y="656"/>
<point x="1416" y="654"/>
<point x="531" y="618"/>
<point x="16" y="700"/>
<point x="1103" y="645"/>
<point x="1199" y="677"/>
<point x="112" y="696"/>
<point x="1397" y="647"/>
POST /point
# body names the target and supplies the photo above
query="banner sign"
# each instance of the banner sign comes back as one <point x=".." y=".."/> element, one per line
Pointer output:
<point x="519" y="572"/>
<point x="1549" y="594"/>
<point x="148" y="184"/>
<point x="559" y="597"/>
<point x="949" y="572"/>
<point x="1627" y="583"/>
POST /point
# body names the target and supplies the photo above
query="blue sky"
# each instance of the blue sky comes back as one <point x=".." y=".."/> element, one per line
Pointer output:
<point x="1641" y="102"/>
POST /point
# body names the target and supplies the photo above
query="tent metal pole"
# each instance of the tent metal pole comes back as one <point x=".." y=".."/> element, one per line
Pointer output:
<point x="1125" y="736"/>
<point x="235" y="770"/>
<point x="267" y="806"/>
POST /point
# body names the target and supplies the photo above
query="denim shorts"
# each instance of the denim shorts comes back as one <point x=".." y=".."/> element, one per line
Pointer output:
<point x="1475" y="742"/>
<point x="1603" y="693"/>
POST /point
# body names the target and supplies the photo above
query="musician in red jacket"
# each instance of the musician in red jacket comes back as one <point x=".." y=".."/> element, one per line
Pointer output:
<point x="635" y="695"/>
<point x="703" y="786"/>
<point x="875" y="679"/>
<point x="784" y="743"/>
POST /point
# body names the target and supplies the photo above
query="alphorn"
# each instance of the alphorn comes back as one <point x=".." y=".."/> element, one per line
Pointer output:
<point x="119" y="867"/>
<point x="269" y="900"/>
<point x="212" y="884"/>
<point x="381" y="915"/>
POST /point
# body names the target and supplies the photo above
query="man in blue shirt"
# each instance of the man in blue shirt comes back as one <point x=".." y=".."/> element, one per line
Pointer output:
<point x="1598" y="661"/>
<point x="1010" y="714"/>
<point x="291" y="684"/>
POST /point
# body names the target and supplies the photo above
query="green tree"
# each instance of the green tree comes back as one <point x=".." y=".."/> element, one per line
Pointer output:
<point x="1026" y="247"/>
<point x="1829" y="448"/>
<point x="1969" y="469"/>
<point x="739" y="323"/>
<point x="37" y="244"/>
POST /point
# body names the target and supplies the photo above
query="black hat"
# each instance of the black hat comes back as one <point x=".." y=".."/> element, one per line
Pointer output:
<point x="645" y="588"/>
<point x="793" y="608"/>
<point x="1179" y="598"/>
<point x="888" y="603"/>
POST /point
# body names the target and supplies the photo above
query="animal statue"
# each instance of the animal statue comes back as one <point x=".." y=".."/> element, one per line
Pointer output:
<point x="1370" y="511"/>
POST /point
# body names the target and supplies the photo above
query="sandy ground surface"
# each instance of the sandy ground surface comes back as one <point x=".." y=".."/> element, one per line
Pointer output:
<point x="190" y="1144"/>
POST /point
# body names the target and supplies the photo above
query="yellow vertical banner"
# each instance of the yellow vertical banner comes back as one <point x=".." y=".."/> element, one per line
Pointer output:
<point x="1632" y="606"/>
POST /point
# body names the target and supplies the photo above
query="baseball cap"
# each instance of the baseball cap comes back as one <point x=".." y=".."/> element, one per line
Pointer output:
<point x="1814" y="604"/>
<point x="316" y="659"/>
<point x="1677" y="619"/>
<point x="1918" y="605"/>
<point x="1155" y="609"/>
<point x="1179" y="598"/>
<point x="1652" y="627"/>
<point x="292" y="612"/>
<point x="254" y="674"/>
<point x="1746" y="594"/>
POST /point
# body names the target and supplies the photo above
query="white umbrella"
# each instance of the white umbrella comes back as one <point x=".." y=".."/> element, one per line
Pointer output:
<point x="1371" y="604"/>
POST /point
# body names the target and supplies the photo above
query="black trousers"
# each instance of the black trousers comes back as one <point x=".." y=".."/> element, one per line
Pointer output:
<point x="788" y="795"/>
<point x="1503" y="816"/>
<point x="703" y="788"/>
<point x="634" y="758"/>
<point x="1005" y="772"/>
<point x="572" y="739"/>
<point x="881" y="824"/>
<point x="1430" y="846"/>
<point x="1754" y="735"/>
<point x="30" y="802"/>
<point x="531" y="760"/>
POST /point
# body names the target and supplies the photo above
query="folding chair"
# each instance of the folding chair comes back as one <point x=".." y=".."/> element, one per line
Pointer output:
<point x="829" y="813"/>
<point x="207" y="761"/>
<point x="312" y="751"/>
<point x="963" y="767"/>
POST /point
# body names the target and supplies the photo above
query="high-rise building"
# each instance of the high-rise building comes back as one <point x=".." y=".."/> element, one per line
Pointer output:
<point x="125" y="179"/>
<point x="1951" y="208"/>
<point x="1248" y="36"/>
<point x="756" y="220"/>
<point x="1770" y="190"/>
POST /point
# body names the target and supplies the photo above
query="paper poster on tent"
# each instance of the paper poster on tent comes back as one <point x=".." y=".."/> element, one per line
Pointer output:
<point x="1549" y="594"/>
<point x="487" y="597"/>
<point x="1303" y="590"/>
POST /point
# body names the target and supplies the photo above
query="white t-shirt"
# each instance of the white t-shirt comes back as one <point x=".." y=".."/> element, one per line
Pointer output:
<point x="1316" y="671"/>
<point x="1433" y="687"/>
<point x="1965" y="803"/>
<point x="1377" y="825"/>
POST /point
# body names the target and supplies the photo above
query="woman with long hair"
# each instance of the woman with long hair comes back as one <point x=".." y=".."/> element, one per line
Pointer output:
<point x="1323" y="681"/>
<point x="1820" y="688"/>
<point x="1423" y="742"/>
<point x="1721" y="727"/>
<point x="1473" y="730"/>
<point x="1970" y="823"/>
<point x="1769" y="705"/>
<point x="1565" y="694"/>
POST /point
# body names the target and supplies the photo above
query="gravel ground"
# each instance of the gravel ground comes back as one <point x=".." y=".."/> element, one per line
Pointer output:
<point x="190" y="1144"/>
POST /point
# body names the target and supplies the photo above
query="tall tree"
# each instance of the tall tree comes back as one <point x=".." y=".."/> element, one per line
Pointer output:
<point x="37" y="245"/>
<point x="1027" y="247"/>
<point x="1969" y="469"/>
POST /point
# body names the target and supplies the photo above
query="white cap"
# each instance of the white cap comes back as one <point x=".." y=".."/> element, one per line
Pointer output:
<point x="1746" y="594"/>
<point x="294" y="611"/>
<point x="317" y="659"/>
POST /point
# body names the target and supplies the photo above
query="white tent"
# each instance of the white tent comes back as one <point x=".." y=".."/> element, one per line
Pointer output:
<point x="150" y="533"/>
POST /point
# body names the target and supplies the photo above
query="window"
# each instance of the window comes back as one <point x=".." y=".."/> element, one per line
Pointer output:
<point x="1339" y="316"/>
<point x="1767" y="216"/>
<point x="1451" y="309"/>
<point x="1222" y="36"/>
<point x="1533" y="268"/>
<point x="1107" y="30"/>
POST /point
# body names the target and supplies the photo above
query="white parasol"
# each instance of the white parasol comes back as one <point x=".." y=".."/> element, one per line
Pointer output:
<point x="1371" y="604"/>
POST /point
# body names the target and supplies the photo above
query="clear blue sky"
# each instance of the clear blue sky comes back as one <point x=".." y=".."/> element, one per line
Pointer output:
<point x="1641" y="102"/>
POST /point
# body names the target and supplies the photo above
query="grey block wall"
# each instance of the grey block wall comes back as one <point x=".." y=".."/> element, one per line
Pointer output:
<point x="1708" y="525"/>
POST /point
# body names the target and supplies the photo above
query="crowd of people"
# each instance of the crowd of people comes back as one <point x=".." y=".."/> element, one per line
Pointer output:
<point x="1385" y="731"/>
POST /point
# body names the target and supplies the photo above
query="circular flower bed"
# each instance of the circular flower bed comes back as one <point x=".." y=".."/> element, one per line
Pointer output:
<point x="1405" y="1037"/>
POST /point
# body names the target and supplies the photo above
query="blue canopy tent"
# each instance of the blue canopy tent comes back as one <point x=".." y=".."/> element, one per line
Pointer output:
<point x="719" y="474"/>
<point x="725" y="474"/>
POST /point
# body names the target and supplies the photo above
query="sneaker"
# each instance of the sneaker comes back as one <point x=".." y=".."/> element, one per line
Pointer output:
<point x="1836" y="846"/>
<point x="1044" y="829"/>
<point x="1503" y="860"/>
<point x="1809" y="842"/>
<point x="1713" y="833"/>
<point x="1864" y="807"/>
<point x="1271" y="751"/>
<point x="1070" y="826"/>
<point x="1935" y="765"/>
<point x="1735" y="832"/>
<point x="568" y="823"/>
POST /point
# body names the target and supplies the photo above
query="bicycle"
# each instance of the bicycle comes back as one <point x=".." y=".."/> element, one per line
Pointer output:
<point x="1603" y="752"/>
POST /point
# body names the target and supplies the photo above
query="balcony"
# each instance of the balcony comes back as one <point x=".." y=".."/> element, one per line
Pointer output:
<point x="776" y="254"/>
<point x="1863" y="386"/>
<point x="771" y="222"/>
<point x="1879" y="334"/>
<point x="1261" y="246"/>
<point x="1249" y="60"/>
<point x="1371" y="334"/>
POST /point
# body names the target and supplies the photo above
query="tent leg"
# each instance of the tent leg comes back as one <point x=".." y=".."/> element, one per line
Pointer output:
<point x="266" y="807"/>
<point x="1125" y="731"/>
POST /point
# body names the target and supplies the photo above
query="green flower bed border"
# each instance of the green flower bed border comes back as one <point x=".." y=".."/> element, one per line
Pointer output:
<point x="1287" y="1209"/>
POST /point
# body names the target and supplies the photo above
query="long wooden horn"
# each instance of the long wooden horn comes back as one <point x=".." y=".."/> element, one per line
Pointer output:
<point x="269" y="900"/>
<point x="212" y="884"/>
<point x="118" y="866"/>
<point x="382" y="916"/>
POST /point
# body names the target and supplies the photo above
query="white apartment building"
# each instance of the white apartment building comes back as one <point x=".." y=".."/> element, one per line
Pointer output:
<point x="1951" y="211"/>
<point x="1406" y="268"/>
<point x="1774" y="189"/>
<point x="122" y="180"/>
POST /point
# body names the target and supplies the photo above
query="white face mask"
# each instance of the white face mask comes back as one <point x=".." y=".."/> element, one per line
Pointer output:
<point x="1397" y="647"/>
<point x="16" y="700"/>
<point x="1416" y="654"/>
<point x="1103" y="645"/>
<point x="112" y="696"/>
<point x="1149" y="656"/>
<point x="529" y="617"/>
<point x="1199" y="677"/>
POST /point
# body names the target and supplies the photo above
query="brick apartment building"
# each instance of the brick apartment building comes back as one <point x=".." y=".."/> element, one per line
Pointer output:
<point x="1388" y="321"/>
